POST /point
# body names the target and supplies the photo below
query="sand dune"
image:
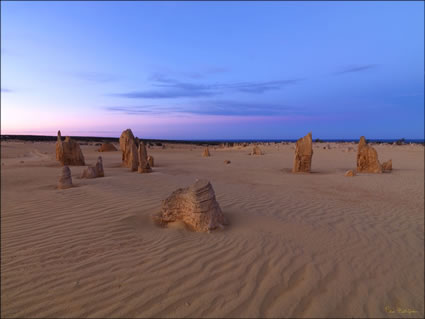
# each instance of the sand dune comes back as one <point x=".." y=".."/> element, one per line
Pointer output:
<point x="298" y="245"/>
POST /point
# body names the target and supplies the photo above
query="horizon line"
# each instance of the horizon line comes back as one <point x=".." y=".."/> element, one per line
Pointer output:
<point x="420" y="140"/>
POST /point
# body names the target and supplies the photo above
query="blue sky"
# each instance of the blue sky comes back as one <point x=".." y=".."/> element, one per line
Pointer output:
<point x="213" y="70"/>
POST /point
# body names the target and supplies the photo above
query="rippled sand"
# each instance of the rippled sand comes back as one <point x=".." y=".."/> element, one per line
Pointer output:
<point x="299" y="245"/>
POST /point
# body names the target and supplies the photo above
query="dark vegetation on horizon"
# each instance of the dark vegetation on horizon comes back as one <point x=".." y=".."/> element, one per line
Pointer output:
<point x="158" y="142"/>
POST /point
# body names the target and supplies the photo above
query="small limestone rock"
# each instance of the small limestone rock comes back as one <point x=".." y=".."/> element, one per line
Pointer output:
<point x="150" y="161"/>
<point x="68" y="152"/>
<point x="350" y="173"/>
<point x="89" y="172"/>
<point x="206" y="152"/>
<point x="65" y="181"/>
<point x="95" y="170"/>
<point x="303" y="154"/>
<point x="257" y="150"/>
<point x="144" y="166"/>
<point x="387" y="166"/>
<point x="196" y="206"/>
<point x="107" y="147"/>
<point x="367" y="158"/>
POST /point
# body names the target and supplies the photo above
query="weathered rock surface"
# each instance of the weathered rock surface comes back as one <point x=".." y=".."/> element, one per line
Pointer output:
<point x="144" y="166"/>
<point x="387" y="166"/>
<point x="350" y="173"/>
<point x="257" y="150"/>
<point x="94" y="170"/>
<point x="107" y="147"/>
<point x="303" y="154"/>
<point x="150" y="160"/>
<point x="89" y="172"/>
<point x="195" y="205"/>
<point x="65" y="181"/>
<point x="128" y="148"/>
<point x="367" y="158"/>
<point x="206" y="152"/>
<point x="68" y="152"/>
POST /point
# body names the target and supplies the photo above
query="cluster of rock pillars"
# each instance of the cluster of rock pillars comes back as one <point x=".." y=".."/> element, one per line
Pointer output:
<point x="196" y="206"/>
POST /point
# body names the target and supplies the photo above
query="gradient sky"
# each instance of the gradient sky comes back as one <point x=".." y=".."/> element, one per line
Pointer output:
<point x="213" y="70"/>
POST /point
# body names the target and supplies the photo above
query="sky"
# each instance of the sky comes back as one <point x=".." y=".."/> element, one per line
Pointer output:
<point x="213" y="70"/>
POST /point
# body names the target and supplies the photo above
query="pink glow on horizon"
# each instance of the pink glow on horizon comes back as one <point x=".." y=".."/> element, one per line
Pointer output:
<point x="111" y="125"/>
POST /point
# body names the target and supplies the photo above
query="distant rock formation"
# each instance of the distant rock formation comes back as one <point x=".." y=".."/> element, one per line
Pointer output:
<point x="387" y="166"/>
<point x="68" y="152"/>
<point x="107" y="147"/>
<point x="144" y="166"/>
<point x="195" y="205"/>
<point x="150" y="160"/>
<point x="349" y="149"/>
<point x="206" y="152"/>
<point x="227" y="162"/>
<point x="367" y="158"/>
<point x="257" y="150"/>
<point x="65" y="181"/>
<point x="128" y="148"/>
<point x="94" y="170"/>
<point x="350" y="173"/>
<point x="303" y="154"/>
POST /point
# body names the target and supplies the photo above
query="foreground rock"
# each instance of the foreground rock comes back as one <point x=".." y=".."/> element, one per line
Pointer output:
<point x="144" y="166"/>
<point x="206" y="152"/>
<point x="303" y="154"/>
<point x="367" y="158"/>
<point x="227" y="162"/>
<point x="95" y="170"/>
<point x="350" y="173"/>
<point x="107" y="147"/>
<point x="387" y="166"/>
<point x="257" y="151"/>
<point x="151" y="161"/>
<point x="65" y="181"/>
<point x="68" y="152"/>
<point x="128" y="148"/>
<point x="196" y="206"/>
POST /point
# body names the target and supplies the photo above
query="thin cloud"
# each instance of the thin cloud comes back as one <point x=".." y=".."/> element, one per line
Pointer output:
<point x="242" y="108"/>
<point x="225" y="108"/>
<point x="172" y="88"/>
<point x="165" y="94"/>
<point x="6" y="90"/>
<point x="145" y="109"/>
<point x="357" y="68"/>
<point x="203" y="73"/>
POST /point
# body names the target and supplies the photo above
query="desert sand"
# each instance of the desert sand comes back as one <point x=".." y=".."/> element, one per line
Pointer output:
<point x="316" y="244"/>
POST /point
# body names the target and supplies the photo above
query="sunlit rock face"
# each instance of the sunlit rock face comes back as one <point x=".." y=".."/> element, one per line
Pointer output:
<point x="367" y="158"/>
<point x="128" y="146"/>
<point x="68" y="152"/>
<point x="196" y="206"/>
<point x="303" y="154"/>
